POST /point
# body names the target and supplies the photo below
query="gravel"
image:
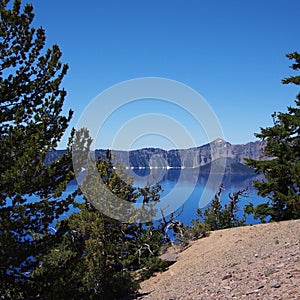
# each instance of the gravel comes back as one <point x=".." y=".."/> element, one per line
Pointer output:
<point x="251" y="262"/>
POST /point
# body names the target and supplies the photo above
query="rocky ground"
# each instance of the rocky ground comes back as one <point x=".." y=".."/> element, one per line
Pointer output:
<point x="252" y="262"/>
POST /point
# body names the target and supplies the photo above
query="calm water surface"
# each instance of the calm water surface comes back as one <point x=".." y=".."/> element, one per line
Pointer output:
<point x="231" y="184"/>
<point x="186" y="184"/>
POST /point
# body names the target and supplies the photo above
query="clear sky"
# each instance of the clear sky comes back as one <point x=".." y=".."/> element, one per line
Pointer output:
<point x="230" y="52"/>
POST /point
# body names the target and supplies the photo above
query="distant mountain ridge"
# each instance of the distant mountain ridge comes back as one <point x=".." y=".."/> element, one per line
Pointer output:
<point x="197" y="157"/>
<point x="216" y="153"/>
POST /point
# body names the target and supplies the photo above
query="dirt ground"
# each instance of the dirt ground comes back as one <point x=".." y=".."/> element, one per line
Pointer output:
<point x="252" y="262"/>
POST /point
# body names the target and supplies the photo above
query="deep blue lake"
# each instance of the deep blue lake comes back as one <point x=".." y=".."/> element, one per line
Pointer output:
<point x="185" y="188"/>
<point x="202" y="187"/>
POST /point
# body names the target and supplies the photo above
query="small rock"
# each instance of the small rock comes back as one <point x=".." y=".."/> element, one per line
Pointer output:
<point x="227" y="276"/>
<point x="276" y="285"/>
<point x="252" y="292"/>
<point x="280" y="266"/>
<point x="169" y="257"/>
<point x="260" y="287"/>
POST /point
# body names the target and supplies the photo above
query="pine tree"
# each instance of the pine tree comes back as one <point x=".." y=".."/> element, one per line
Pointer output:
<point x="101" y="257"/>
<point x="282" y="169"/>
<point x="217" y="217"/>
<point x="31" y="125"/>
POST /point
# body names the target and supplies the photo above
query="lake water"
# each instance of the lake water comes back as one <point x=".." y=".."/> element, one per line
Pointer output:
<point x="185" y="188"/>
<point x="197" y="188"/>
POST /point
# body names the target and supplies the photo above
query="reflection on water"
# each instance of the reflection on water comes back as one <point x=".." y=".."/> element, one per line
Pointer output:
<point x="185" y="179"/>
<point x="188" y="181"/>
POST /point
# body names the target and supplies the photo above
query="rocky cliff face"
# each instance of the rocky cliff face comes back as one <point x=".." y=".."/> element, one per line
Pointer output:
<point x="189" y="158"/>
<point x="214" y="155"/>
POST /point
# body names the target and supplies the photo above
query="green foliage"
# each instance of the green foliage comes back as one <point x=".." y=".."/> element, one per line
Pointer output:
<point x="217" y="217"/>
<point x="261" y="211"/>
<point x="31" y="125"/>
<point x="282" y="169"/>
<point x="269" y="272"/>
<point x="87" y="264"/>
<point x="101" y="257"/>
<point x="197" y="230"/>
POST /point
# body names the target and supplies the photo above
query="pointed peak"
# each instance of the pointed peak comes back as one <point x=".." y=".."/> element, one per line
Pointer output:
<point x="219" y="141"/>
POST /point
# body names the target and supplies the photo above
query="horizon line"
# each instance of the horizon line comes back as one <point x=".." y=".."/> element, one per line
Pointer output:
<point x="171" y="149"/>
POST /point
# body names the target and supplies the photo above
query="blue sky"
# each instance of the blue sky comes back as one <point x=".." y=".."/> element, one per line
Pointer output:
<point x="230" y="52"/>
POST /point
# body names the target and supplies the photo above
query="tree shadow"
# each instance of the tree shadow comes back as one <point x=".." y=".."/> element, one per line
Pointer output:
<point x="136" y="296"/>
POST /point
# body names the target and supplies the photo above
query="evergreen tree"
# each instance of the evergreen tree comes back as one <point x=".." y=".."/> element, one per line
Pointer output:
<point x="31" y="125"/>
<point x="218" y="217"/>
<point x="101" y="257"/>
<point x="282" y="169"/>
